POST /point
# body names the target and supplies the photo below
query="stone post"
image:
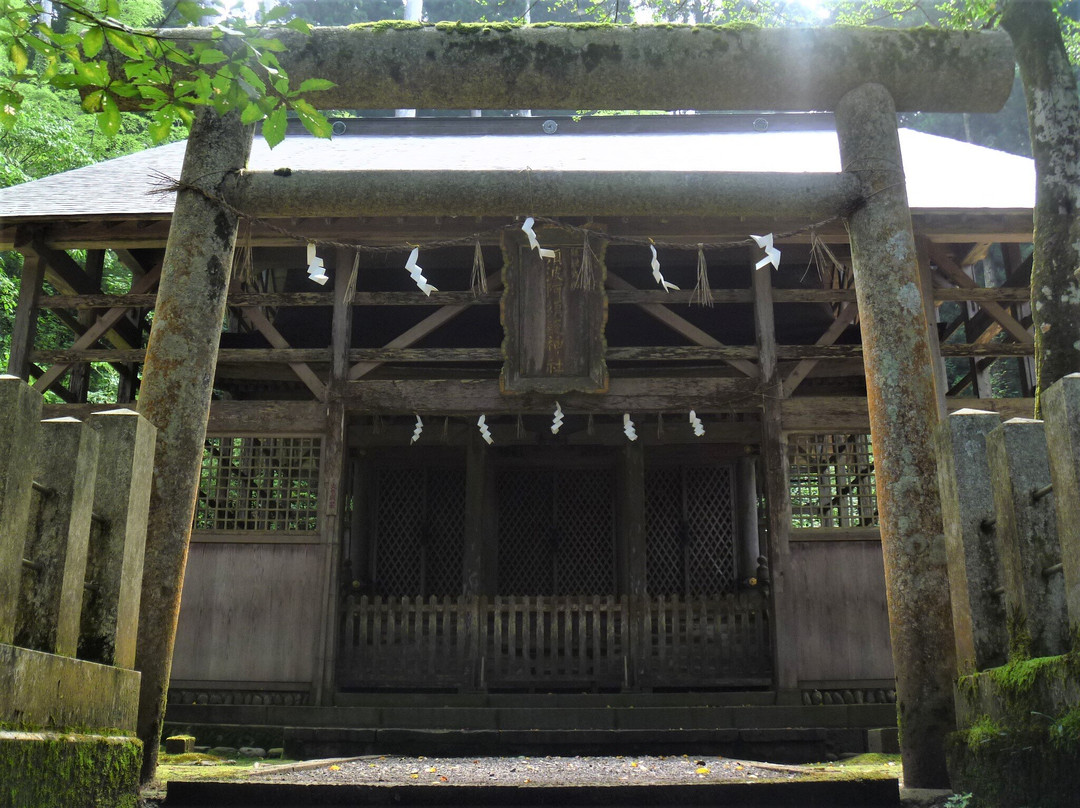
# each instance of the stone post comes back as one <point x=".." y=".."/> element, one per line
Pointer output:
<point x="20" y="412"/>
<point x="65" y="463"/>
<point x="178" y="379"/>
<point x="1027" y="537"/>
<point x="967" y="502"/>
<point x="115" y="567"/>
<point x="903" y="414"/>
<point x="1061" y="411"/>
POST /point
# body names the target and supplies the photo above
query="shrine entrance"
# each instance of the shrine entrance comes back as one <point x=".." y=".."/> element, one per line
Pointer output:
<point x="551" y="605"/>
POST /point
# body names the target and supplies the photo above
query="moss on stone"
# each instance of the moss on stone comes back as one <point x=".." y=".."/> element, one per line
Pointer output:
<point x="45" y="770"/>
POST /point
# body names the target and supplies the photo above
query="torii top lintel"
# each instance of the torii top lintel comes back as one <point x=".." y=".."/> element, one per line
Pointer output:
<point x="478" y="66"/>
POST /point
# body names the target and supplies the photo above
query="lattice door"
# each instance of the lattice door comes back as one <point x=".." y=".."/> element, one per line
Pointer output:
<point x="556" y="532"/>
<point x="690" y="530"/>
<point x="419" y="531"/>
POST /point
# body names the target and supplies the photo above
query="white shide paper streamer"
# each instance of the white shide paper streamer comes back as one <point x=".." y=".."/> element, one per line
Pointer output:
<point x="557" y="421"/>
<point x="316" y="271"/>
<point x="772" y="255"/>
<point x="416" y="273"/>
<point x="628" y="426"/>
<point x="485" y="433"/>
<point x="527" y="229"/>
<point x="417" y="431"/>
<point x="695" y="422"/>
<point x="657" y="275"/>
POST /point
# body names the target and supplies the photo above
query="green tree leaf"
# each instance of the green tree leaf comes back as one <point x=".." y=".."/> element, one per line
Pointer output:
<point x="314" y="85"/>
<point x="109" y="118"/>
<point x="251" y="114"/>
<point x="274" y="127"/>
<point x="125" y="43"/>
<point x="19" y="57"/>
<point x="93" y="42"/>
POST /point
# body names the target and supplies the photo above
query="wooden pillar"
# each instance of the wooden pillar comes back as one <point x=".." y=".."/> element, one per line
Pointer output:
<point x="903" y="413"/>
<point x="777" y="493"/>
<point x="332" y="471"/>
<point x="177" y="384"/>
<point x="481" y="554"/>
<point x="25" y="326"/>
<point x="926" y="278"/>
<point x="749" y="543"/>
<point x="631" y="549"/>
<point x="80" y="371"/>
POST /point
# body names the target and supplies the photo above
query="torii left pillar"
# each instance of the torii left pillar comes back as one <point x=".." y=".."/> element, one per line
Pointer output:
<point x="903" y="415"/>
<point x="178" y="379"/>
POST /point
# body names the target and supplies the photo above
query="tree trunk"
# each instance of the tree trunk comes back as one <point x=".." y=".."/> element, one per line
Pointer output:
<point x="1054" y="121"/>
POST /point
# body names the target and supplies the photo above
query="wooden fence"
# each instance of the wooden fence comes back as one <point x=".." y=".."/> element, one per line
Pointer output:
<point x="591" y="642"/>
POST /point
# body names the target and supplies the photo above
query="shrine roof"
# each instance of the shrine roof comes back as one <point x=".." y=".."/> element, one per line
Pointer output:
<point x="942" y="174"/>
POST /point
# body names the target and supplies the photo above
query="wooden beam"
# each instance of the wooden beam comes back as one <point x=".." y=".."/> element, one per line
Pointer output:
<point x="24" y="327"/>
<point x="838" y="413"/>
<point x="468" y="397"/>
<point x="426" y="326"/>
<point x="100" y="328"/>
<point x="950" y="268"/>
<point x="681" y="326"/>
<point x="846" y="316"/>
<point x="999" y="294"/>
<point x="233" y="418"/>
<point x="255" y="318"/>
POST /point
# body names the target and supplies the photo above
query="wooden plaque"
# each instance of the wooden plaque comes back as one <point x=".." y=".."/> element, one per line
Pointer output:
<point x="554" y="332"/>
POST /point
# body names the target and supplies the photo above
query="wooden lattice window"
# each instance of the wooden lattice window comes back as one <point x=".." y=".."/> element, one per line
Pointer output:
<point x="690" y="530"/>
<point x="832" y="481"/>
<point x="556" y="531"/>
<point x="419" y="531"/>
<point x="259" y="484"/>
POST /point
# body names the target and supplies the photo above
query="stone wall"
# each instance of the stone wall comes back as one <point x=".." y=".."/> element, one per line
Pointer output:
<point x="73" y="507"/>
<point x="1011" y="511"/>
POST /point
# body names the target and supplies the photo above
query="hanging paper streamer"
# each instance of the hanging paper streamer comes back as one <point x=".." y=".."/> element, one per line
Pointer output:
<point x="772" y="255"/>
<point x="416" y="432"/>
<point x="590" y="428"/>
<point x="702" y="293"/>
<point x="485" y="433"/>
<point x="657" y="275"/>
<point x="527" y="228"/>
<point x="478" y="283"/>
<point x="416" y="273"/>
<point x="556" y="423"/>
<point x="583" y="278"/>
<point x="316" y="271"/>
<point x="628" y="426"/>
<point x="695" y="422"/>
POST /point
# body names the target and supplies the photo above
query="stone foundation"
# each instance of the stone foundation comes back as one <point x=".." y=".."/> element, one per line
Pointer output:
<point x="50" y="769"/>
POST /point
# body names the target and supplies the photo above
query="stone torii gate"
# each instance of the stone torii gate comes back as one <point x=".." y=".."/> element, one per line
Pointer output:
<point x="866" y="76"/>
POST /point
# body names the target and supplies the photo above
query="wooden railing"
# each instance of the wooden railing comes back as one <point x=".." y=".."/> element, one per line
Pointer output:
<point x="591" y="642"/>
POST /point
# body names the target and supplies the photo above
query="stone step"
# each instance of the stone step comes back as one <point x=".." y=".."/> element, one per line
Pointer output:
<point x="836" y="794"/>
<point x="546" y="718"/>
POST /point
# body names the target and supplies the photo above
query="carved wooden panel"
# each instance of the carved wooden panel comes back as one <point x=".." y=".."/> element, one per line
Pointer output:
<point x="554" y="329"/>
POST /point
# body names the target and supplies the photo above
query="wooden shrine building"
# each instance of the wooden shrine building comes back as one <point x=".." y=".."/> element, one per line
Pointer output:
<point x="407" y="553"/>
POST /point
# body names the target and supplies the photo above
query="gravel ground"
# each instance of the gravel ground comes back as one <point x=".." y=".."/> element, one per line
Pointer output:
<point x="525" y="771"/>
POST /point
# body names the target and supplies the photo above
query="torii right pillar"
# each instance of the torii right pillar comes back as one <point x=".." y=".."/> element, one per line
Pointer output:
<point x="903" y="413"/>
